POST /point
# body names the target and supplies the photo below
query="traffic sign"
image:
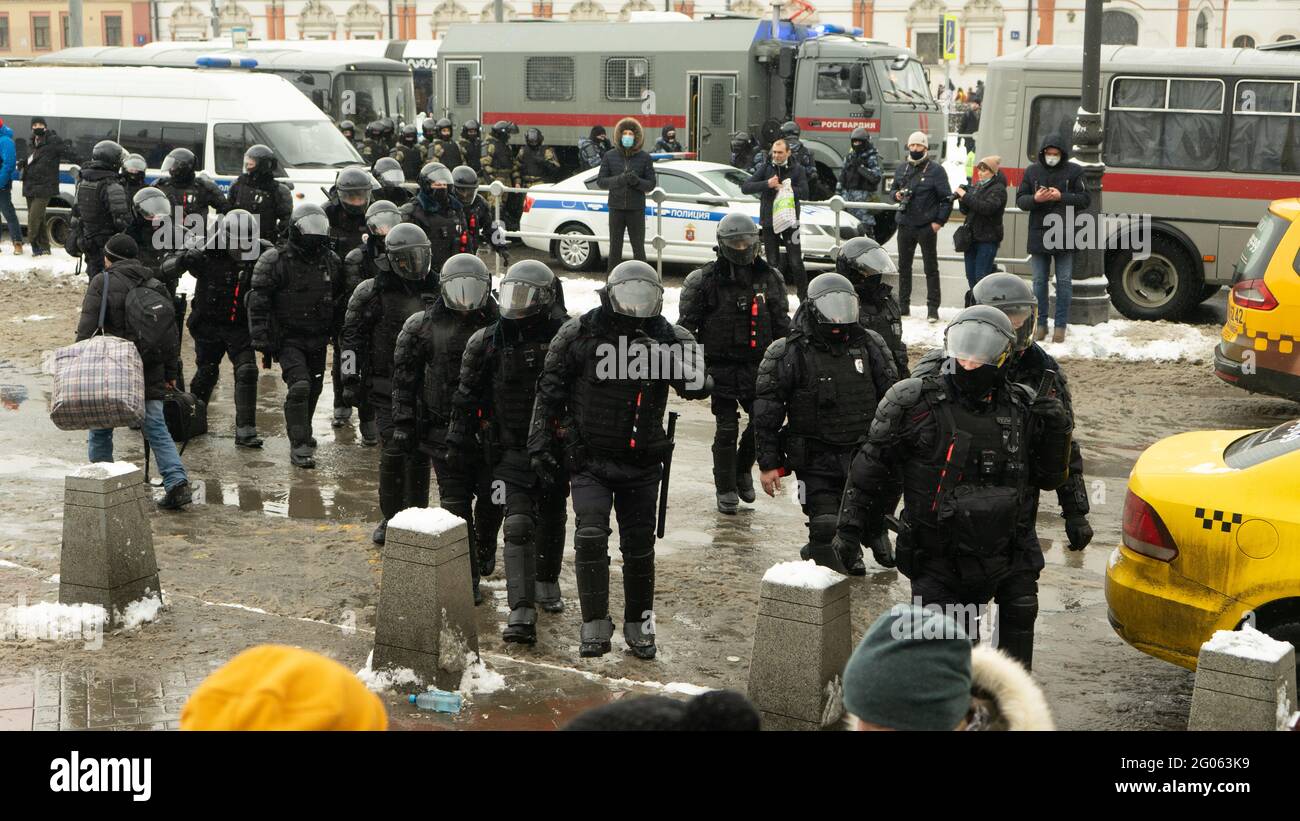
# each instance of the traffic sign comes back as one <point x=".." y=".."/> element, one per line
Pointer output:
<point x="949" y="30"/>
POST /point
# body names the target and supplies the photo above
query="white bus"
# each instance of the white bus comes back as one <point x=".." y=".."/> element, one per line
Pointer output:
<point x="150" y="111"/>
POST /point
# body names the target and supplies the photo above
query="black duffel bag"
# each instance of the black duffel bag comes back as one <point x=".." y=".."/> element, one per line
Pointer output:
<point x="186" y="415"/>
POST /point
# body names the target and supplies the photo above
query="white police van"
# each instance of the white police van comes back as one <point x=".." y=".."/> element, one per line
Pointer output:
<point x="213" y="112"/>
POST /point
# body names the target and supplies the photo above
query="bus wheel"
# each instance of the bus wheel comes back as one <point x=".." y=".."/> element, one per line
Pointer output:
<point x="573" y="254"/>
<point x="1208" y="291"/>
<point x="1162" y="286"/>
<point x="57" y="227"/>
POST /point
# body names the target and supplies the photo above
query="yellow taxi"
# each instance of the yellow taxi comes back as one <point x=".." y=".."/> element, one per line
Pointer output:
<point x="1260" y="349"/>
<point x="1211" y="539"/>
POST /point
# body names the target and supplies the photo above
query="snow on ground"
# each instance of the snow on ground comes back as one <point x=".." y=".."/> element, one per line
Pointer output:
<point x="478" y="679"/>
<point x="1247" y="643"/>
<point x="32" y="318"/>
<point x="140" y="611"/>
<point x="52" y="621"/>
<point x="432" y="521"/>
<point x="20" y="268"/>
<point x="807" y="574"/>
<point x="382" y="680"/>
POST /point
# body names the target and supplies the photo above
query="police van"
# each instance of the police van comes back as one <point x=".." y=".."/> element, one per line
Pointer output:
<point x="150" y="111"/>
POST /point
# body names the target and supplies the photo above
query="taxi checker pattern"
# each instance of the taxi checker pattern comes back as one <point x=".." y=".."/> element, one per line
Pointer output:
<point x="1209" y="518"/>
<point x="1263" y="339"/>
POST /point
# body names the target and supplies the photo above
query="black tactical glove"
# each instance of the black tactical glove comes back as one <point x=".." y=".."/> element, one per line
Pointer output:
<point x="545" y="466"/>
<point x="403" y="439"/>
<point x="1078" y="531"/>
<point x="349" y="395"/>
<point x="456" y="456"/>
<point x="1051" y="412"/>
<point x="881" y="550"/>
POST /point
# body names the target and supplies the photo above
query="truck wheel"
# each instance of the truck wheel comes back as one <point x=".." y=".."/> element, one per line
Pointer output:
<point x="574" y="254"/>
<point x="1165" y="285"/>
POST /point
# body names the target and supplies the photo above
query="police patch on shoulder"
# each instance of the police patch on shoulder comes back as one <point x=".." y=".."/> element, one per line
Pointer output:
<point x="857" y="363"/>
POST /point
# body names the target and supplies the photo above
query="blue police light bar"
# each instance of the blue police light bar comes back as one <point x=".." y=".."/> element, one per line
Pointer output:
<point x="226" y="62"/>
<point x="673" y="155"/>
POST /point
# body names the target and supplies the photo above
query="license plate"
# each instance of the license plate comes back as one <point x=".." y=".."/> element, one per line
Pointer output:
<point x="1231" y="330"/>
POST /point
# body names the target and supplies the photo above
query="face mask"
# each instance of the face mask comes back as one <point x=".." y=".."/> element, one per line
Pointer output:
<point x="440" y="196"/>
<point x="1052" y="162"/>
<point x="916" y="155"/>
<point x="976" y="383"/>
<point x="627" y="141"/>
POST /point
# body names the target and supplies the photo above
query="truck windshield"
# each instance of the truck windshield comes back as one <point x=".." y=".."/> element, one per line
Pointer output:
<point x="308" y="144"/>
<point x="366" y="96"/>
<point x="905" y="84"/>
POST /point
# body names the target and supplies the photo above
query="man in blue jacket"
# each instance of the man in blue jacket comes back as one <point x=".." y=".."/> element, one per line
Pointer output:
<point x="921" y="189"/>
<point x="8" y="172"/>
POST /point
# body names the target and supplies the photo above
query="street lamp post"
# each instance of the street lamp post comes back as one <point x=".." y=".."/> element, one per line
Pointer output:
<point x="1090" y="304"/>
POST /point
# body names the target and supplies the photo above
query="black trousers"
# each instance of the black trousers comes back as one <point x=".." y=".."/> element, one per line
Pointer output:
<point x="733" y="451"/>
<point x="470" y="492"/>
<point x="819" y="497"/>
<point x="303" y="359"/>
<point x="631" y="492"/>
<point x="973" y="595"/>
<point x="908" y="239"/>
<point x="214" y="342"/>
<point x="548" y="508"/>
<point x="793" y="269"/>
<point x="634" y="222"/>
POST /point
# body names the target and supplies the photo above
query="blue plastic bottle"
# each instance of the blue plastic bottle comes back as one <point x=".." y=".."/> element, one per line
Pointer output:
<point x="438" y="700"/>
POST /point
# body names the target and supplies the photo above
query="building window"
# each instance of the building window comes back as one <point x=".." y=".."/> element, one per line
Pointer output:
<point x="627" y="78"/>
<point x="1202" y="29"/>
<point x="41" y="32"/>
<point x="112" y="29"/>
<point x="4" y="32"/>
<point x="981" y="46"/>
<point x="1119" y="28"/>
<point x="927" y="47"/>
<point x="1244" y="41"/>
<point x="548" y="78"/>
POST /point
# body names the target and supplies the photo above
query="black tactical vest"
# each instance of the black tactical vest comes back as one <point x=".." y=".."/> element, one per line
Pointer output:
<point x="882" y="317"/>
<point x="502" y="162"/>
<point x="451" y="332"/>
<point x="304" y="304"/>
<point x="836" y="398"/>
<point x="346" y="230"/>
<point x="96" y="222"/>
<point x="471" y="152"/>
<point x="532" y="165"/>
<point x="408" y="156"/>
<point x="621" y="417"/>
<point x="259" y="202"/>
<point x="450" y="156"/>
<point x="514" y="386"/>
<point x="443" y="227"/>
<point x="396" y="304"/>
<point x="739" y="323"/>
<point x="220" y="285"/>
<point x="191" y="199"/>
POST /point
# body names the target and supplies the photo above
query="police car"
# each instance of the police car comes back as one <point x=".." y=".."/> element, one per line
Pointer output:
<point x="691" y="222"/>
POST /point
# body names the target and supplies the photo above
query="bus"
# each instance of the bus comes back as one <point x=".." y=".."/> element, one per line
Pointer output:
<point x="344" y="86"/>
<point x="1201" y="139"/>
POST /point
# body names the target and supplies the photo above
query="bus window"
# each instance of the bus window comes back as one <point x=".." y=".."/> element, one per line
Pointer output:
<point x="79" y="135"/>
<point x="1050" y="115"/>
<point x="315" y="86"/>
<point x="1164" y="123"/>
<point x="229" y="142"/>
<point x="361" y="97"/>
<point x="154" y="141"/>
<point x="1265" y="128"/>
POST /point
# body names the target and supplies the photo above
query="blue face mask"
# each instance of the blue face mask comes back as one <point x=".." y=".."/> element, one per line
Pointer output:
<point x="627" y="140"/>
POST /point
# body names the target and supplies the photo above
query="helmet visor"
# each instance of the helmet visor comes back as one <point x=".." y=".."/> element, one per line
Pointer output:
<point x="154" y="207"/>
<point x="874" y="261"/>
<point x="637" y="298"/>
<point x="354" y="197"/>
<point x="411" y="263"/>
<point x="977" y="342"/>
<point x="464" y="293"/>
<point x="392" y="177"/>
<point x="383" y="222"/>
<point x="1023" y="318"/>
<point x="520" y="299"/>
<point x="836" y="308"/>
<point x="313" y="225"/>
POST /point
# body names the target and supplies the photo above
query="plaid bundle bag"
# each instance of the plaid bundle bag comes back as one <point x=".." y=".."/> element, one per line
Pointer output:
<point x="98" y="382"/>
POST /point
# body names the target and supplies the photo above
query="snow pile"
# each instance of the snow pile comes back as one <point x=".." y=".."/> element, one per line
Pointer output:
<point x="807" y="574"/>
<point x="5" y="563"/>
<point x="686" y="688"/>
<point x="103" y="470"/>
<point x="432" y="521"/>
<point x="386" y="679"/>
<point x="477" y="678"/>
<point x="140" y="611"/>
<point x="31" y="318"/>
<point x="1247" y="643"/>
<point x="20" y="268"/>
<point x="52" y="621"/>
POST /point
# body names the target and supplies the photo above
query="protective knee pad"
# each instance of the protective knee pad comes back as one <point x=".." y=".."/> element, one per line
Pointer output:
<point x="1019" y="613"/>
<point x="589" y="542"/>
<point x="204" y="380"/>
<point x="246" y="373"/>
<point x="726" y="433"/>
<point x="297" y="412"/>
<point x="521" y="574"/>
<point x="519" y="529"/>
<point x="821" y="527"/>
<point x="591" y="568"/>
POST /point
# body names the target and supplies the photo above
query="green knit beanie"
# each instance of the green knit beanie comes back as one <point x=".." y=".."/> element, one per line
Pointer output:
<point x="911" y="671"/>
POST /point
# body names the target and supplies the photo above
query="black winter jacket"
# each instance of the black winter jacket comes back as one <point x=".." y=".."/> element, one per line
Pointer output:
<point x="757" y="184"/>
<point x="624" y="194"/>
<point x="984" y="204"/>
<point x="41" y="168"/>
<point x="1067" y="178"/>
<point x="123" y="276"/>
<point x="931" y="194"/>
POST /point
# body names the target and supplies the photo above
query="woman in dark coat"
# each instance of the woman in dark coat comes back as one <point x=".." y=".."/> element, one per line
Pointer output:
<point x="983" y="202"/>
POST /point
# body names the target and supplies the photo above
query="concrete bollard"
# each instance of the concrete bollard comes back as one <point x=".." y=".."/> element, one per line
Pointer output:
<point x="107" y="556"/>
<point x="801" y="643"/>
<point x="1245" y="680"/>
<point x="425" y="618"/>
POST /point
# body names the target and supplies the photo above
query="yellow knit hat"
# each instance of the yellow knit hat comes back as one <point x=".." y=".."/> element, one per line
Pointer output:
<point x="273" y="687"/>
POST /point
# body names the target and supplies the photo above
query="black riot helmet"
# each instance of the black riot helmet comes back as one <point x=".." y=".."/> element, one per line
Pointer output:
<point x="309" y="230"/>
<point x="790" y="128"/>
<point x="1012" y="296"/>
<point x="353" y="188"/>
<point x="465" y="283"/>
<point x="432" y="175"/>
<point x="527" y="289"/>
<point x="260" y="162"/>
<point x="502" y="129"/>
<point x="381" y="218"/>
<point x="179" y="165"/>
<point x="443" y="127"/>
<point x="859" y="138"/>
<point x="741" y="141"/>
<point x="109" y="153"/>
<point x="978" y="343"/>
<point x="408" y="251"/>
<point x="374" y="130"/>
<point x="738" y="239"/>
<point x="533" y="137"/>
<point x="410" y="136"/>
<point x="429" y="130"/>
<point x="834" y="304"/>
<point x="239" y="232"/>
<point x="863" y="262"/>
<point x="348" y="129"/>
<point x="151" y="204"/>
<point x="470" y="129"/>
<point x="133" y="168"/>
<point x="465" y="181"/>
<point x="389" y="172"/>
<point x="634" y="290"/>
<point x="387" y="128"/>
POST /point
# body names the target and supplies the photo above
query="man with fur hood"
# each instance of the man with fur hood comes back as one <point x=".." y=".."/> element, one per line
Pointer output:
<point x="916" y="670"/>
<point x="628" y="173"/>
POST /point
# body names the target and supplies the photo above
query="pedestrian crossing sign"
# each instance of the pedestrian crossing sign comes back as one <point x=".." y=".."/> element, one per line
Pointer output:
<point x="949" y="37"/>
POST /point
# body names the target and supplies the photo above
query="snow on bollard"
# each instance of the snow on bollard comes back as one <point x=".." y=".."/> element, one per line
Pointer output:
<point x="425" y="618"/>
<point x="107" y="557"/>
<point x="1245" y="680"/>
<point x="801" y="643"/>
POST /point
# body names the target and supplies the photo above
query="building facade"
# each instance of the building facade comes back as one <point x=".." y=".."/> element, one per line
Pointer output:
<point x="32" y="27"/>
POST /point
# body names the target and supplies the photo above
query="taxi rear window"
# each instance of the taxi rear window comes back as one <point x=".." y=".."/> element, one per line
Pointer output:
<point x="1263" y="445"/>
<point x="1260" y="247"/>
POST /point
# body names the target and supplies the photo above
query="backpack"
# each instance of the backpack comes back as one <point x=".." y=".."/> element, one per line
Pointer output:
<point x="151" y="320"/>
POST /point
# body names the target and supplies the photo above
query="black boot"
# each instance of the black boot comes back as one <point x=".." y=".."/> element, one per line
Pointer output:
<point x="342" y="415"/>
<point x="177" y="497"/>
<point x="380" y="533"/>
<point x="591" y="566"/>
<point x="246" y="407"/>
<point x="369" y="433"/>
<point x="297" y="423"/>
<point x="638" y="600"/>
<point x="392" y="489"/>
<point x="745" y="465"/>
<point x="521" y="593"/>
<point x="724" y="469"/>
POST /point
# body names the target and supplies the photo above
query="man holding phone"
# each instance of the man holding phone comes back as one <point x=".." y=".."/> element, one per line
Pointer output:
<point x="925" y="200"/>
<point x="1049" y="187"/>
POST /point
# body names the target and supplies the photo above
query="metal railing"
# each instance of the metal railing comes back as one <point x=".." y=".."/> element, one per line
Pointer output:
<point x="659" y="242"/>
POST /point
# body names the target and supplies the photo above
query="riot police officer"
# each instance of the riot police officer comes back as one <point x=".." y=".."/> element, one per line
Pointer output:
<point x="478" y="231"/>
<point x="376" y="312"/>
<point x="258" y="192"/>
<point x="409" y="153"/>
<point x="864" y="263"/>
<point x="743" y="149"/>
<point x="501" y="163"/>
<point x="436" y="211"/>
<point x="387" y="134"/>
<point x="443" y="147"/>
<point x="736" y="306"/>
<point x="133" y="174"/>
<point x="373" y="147"/>
<point x="346" y="211"/>
<point x="223" y="274"/>
<point x="498" y="379"/>
<point x="389" y="176"/>
<point x="471" y="146"/>
<point x="153" y="231"/>
<point x="102" y="206"/>
<point x="614" y="439"/>
<point x="970" y="451"/>
<point x="860" y="177"/>
<point x="189" y="191"/>
<point x="294" y="302"/>
<point x="349" y="130"/>
<point x="824" y="381"/>
<point x="426" y="370"/>
<point x="537" y="162"/>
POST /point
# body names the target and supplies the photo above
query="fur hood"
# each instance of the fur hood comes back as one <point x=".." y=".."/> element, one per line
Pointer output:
<point x="637" y="130"/>
<point x="1003" y="694"/>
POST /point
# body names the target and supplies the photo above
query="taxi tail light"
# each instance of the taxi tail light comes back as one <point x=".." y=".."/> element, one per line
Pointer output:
<point x="528" y="204"/>
<point x="1144" y="532"/>
<point x="1253" y="293"/>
